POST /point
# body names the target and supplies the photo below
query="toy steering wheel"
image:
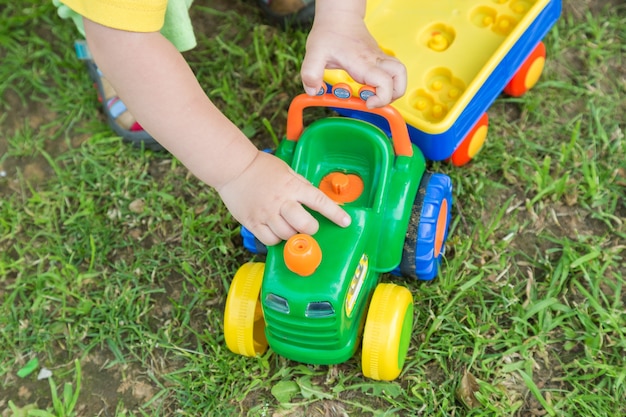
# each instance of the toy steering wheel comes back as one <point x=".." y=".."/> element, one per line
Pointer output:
<point x="342" y="98"/>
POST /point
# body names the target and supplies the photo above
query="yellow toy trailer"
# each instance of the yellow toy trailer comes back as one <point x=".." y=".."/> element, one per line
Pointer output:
<point x="460" y="56"/>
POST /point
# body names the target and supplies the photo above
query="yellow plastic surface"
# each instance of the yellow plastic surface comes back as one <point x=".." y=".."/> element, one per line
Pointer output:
<point x="450" y="47"/>
<point x="383" y="331"/>
<point x="244" y="326"/>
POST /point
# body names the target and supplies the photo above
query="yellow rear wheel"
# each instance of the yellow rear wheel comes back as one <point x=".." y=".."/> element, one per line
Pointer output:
<point x="244" y="325"/>
<point x="387" y="332"/>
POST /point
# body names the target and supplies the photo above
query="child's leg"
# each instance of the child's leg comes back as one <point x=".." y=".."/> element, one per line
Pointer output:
<point x="121" y="121"/>
<point x="177" y="28"/>
<point x="289" y="12"/>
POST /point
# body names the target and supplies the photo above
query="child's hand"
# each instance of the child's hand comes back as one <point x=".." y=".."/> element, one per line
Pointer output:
<point x="268" y="197"/>
<point x="156" y="83"/>
<point x="339" y="39"/>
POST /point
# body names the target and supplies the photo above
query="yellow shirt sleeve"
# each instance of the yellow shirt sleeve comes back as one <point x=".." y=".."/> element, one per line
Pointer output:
<point x="129" y="15"/>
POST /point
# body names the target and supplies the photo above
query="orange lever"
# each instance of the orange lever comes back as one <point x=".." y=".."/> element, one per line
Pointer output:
<point x="342" y="188"/>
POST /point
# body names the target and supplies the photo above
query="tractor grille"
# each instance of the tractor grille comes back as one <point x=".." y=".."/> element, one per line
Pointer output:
<point x="315" y="333"/>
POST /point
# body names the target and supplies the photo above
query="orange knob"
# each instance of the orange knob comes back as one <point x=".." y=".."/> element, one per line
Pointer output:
<point x="302" y="254"/>
<point x="342" y="188"/>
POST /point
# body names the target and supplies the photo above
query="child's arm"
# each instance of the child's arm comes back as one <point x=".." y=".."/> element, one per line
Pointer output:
<point x="161" y="91"/>
<point x="340" y="39"/>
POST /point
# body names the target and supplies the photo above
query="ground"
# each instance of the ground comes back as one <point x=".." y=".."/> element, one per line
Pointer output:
<point x="563" y="229"/>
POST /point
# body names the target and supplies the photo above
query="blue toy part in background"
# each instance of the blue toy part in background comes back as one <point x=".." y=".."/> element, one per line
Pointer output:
<point x="251" y="243"/>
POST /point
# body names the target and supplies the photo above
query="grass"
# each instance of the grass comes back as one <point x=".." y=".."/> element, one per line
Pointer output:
<point x="115" y="262"/>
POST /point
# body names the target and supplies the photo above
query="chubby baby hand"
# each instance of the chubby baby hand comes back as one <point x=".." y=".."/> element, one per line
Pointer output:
<point x="268" y="199"/>
<point x="342" y="41"/>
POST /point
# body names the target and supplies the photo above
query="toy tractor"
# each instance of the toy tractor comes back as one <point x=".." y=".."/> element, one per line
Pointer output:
<point x="315" y="298"/>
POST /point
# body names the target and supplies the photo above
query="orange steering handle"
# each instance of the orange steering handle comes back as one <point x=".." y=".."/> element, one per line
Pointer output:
<point x="399" y="132"/>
